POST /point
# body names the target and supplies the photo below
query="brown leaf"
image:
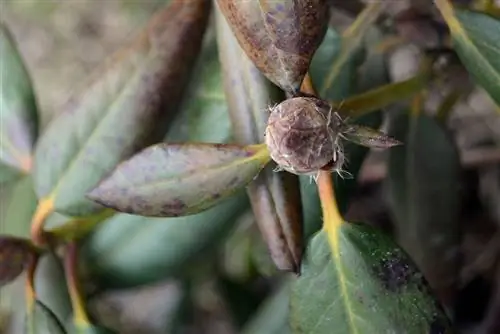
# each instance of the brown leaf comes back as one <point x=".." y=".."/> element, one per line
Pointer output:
<point x="275" y="197"/>
<point x="15" y="255"/>
<point x="279" y="36"/>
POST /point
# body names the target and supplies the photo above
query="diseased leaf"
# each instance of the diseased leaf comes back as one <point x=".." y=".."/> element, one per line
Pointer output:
<point x="18" y="116"/>
<point x="275" y="197"/>
<point x="141" y="250"/>
<point x="43" y="321"/>
<point x="279" y="36"/>
<point x="359" y="281"/>
<point x="424" y="182"/>
<point x="121" y="111"/>
<point x="129" y="250"/>
<point x="475" y="39"/>
<point x="15" y="256"/>
<point x="171" y="180"/>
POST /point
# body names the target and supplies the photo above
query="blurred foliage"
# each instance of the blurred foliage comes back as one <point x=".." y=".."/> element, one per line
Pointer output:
<point x="155" y="171"/>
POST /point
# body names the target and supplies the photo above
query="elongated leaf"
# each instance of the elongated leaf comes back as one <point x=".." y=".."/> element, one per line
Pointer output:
<point x="171" y="180"/>
<point x="50" y="285"/>
<point x="19" y="209"/>
<point x="121" y="111"/>
<point x="15" y="256"/>
<point x="279" y="36"/>
<point x="475" y="38"/>
<point x="131" y="250"/>
<point x="18" y="116"/>
<point x="89" y="330"/>
<point x="275" y="197"/>
<point x="424" y="183"/>
<point x="359" y="281"/>
<point x="43" y="321"/>
<point x="352" y="40"/>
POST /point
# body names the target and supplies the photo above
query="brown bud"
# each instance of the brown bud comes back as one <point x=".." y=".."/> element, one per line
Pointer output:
<point x="302" y="135"/>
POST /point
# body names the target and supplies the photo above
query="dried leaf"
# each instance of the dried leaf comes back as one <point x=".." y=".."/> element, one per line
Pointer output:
<point x="171" y="180"/>
<point x="121" y="111"/>
<point x="18" y="116"/>
<point x="275" y="197"/>
<point x="279" y="36"/>
<point x="15" y="255"/>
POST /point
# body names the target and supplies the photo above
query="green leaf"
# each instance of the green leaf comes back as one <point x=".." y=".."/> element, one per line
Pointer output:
<point x="20" y="209"/>
<point x="345" y="51"/>
<point x="361" y="282"/>
<point x="424" y="187"/>
<point x="18" y="116"/>
<point x="272" y="316"/>
<point x="15" y="255"/>
<point x="120" y="112"/>
<point x="475" y="39"/>
<point x="43" y="321"/>
<point x="279" y="36"/>
<point x="129" y="250"/>
<point x="90" y="329"/>
<point x="171" y="180"/>
<point x="204" y="116"/>
<point x="50" y="286"/>
<point x="275" y="197"/>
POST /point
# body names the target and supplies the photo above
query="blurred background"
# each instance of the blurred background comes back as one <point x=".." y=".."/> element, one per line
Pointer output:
<point x="62" y="41"/>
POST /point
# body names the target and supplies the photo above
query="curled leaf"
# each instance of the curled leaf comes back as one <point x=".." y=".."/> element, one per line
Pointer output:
<point x="170" y="180"/>
<point x="124" y="109"/>
<point x="18" y="110"/>
<point x="15" y="255"/>
<point x="275" y="197"/>
<point x="279" y="36"/>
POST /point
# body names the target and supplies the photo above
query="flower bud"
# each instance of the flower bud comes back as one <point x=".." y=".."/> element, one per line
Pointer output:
<point x="302" y="135"/>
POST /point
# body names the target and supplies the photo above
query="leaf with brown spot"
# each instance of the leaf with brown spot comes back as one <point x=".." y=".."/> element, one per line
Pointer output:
<point x="15" y="255"/>
<point x="357" y="280"/>
<point x="171" y="180"/>
<point x="275" y="197"/>
<point x="18" y="111"/>
<point x="126" y="107"/>
<point x="279" y="36"/>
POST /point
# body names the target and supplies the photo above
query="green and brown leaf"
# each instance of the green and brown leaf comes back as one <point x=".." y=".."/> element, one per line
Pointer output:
<point x="121" y="111"/>
<point x="279" y="36"/>
<point x="171" y="180"/>
<point x="275" y="197"/>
